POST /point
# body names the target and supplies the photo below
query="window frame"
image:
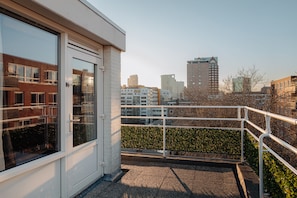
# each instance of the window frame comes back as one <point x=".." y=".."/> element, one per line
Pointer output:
<point x="16" y="103"/>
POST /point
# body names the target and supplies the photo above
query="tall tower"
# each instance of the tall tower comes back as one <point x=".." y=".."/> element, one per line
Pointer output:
<point x="203" y="75"/>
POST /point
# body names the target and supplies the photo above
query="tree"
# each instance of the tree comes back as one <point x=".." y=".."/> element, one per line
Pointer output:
<point x="256" y="79"/>
<point x="196" y="96"/>
<point x="246" y="96"/>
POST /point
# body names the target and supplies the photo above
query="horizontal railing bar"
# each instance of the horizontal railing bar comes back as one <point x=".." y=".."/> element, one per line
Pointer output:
<point x="289" y="166"/>
<point x="283" y="143"/>
<point x="142" y="125"/>
<point x="20" y="119"/>
<point x="23" y="107"/>
<point x="273" y="115"/>
<point x="186" y="127"/>
<point x="255" y="126"/>
<point x="180" y="106"/>
<point x="201" y="127"/>
<point x="180" y="118"/>
<point x="253" y="135"/>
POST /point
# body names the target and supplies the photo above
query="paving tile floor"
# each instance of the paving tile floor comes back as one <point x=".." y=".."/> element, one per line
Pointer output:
<point x="151" y="179"/>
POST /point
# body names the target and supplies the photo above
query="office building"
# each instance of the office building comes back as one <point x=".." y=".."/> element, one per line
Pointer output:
<point x="168" y="82"/>
<point x="203" y="75"/>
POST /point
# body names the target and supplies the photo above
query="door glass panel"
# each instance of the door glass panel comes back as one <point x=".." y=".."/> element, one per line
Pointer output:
<point x="28" y="121"/>
<point x="83" y="102"/>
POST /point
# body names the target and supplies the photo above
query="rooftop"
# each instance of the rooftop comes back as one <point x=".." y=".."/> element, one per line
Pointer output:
<point x="154" y="176"/>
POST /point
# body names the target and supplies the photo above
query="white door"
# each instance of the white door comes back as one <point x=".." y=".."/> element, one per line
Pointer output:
<point x="84" y="146"/>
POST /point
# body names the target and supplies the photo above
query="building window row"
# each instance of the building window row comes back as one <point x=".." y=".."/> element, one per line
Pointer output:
<point x="24" y="73"/>
<point x="30" y="74"/>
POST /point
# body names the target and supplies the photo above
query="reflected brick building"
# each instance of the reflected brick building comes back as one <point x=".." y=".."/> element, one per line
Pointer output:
<point x="29" y="92"/>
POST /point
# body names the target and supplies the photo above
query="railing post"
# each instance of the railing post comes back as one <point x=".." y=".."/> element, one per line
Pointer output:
<point x="241" y="133"/>
<point x="239" y="112"/>
<point x="261" y="166"/>
<point x="164" y="131"/>
<point x="246" y="116"/>
<point x="242" y="141"/>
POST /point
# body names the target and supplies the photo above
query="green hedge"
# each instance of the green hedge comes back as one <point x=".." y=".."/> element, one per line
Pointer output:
<point x="279" y="181"/>
<point x="185" y="140"/>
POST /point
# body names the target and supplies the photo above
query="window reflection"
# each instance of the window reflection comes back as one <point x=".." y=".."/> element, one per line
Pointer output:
<point x="28" y="93"/>
<point x="83" y="102"/>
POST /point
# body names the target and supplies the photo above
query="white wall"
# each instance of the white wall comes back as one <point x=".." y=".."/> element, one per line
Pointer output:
<point x="43" y="181"/>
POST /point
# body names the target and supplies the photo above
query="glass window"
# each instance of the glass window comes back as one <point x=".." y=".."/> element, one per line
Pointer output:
<point x="52" y="98"/>
<point x="19" y="98"/>
<point x="37" y="99"/>
<point x="51" y="77"/>
<point x="83" y="102"/>
<point x="28" y="119"/>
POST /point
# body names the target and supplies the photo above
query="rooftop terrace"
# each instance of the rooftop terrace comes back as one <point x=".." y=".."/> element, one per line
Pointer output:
<point x="152" y="176"/>
<point x="154" y="163"/>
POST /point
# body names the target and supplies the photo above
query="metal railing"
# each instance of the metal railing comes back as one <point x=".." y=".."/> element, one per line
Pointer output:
<point x="232" y="114"/>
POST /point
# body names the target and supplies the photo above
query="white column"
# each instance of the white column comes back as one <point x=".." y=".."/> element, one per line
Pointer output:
<point x="112" y="111"/>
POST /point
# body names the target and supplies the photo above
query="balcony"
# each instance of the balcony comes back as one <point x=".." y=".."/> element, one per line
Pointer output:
<point x="156" y="165"/>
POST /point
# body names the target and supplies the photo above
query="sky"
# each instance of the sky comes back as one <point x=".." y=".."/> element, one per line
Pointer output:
<point x="162" y="35"/>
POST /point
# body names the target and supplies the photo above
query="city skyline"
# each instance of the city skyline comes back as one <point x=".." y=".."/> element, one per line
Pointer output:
<point x="163" y="35"/>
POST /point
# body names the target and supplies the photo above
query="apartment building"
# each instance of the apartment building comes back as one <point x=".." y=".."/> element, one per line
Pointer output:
<point x="284" y="102"/>
<point x="284" y="95"/>
<point x="203" y="75"/>
<point x="142" y="96"/>
<point x="59" y="95"/>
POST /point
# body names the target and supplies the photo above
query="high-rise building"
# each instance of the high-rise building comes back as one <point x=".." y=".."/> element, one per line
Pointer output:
<point x="176" y="88"/>
<point x="133" y="81"/>
<point x="241" y="85"/>
<point x="203" y="75"/>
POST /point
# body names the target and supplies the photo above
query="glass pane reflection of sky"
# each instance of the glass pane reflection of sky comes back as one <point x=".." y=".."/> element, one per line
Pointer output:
<point x="82" y="65"/>
<point x="26" y="41"/>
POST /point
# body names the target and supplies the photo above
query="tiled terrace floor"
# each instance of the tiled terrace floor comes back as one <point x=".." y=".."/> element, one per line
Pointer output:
<point x="154" y="178"/>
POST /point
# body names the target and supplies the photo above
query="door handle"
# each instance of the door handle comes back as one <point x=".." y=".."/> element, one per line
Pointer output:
<point x="71" y="120"/>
